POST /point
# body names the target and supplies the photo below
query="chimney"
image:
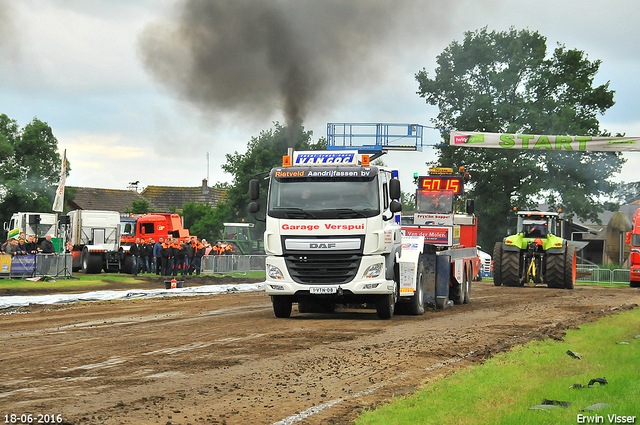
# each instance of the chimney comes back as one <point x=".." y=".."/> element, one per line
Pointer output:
<point x="205" y="188"/>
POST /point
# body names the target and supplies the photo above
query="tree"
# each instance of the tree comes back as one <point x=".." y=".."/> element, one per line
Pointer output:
<point x="141" y="206"/>
<point x="206" y="222"/>
<point x="263" y="153"/>
<point x="504" y="82"/>
<point x="29" y="167"/>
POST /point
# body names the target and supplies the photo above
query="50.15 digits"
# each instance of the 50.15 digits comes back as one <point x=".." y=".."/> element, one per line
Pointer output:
<point x="28" y="418"/>
<point x="453" y="184"/>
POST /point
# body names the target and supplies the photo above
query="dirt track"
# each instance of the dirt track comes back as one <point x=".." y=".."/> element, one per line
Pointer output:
<point x="226" y="359"/>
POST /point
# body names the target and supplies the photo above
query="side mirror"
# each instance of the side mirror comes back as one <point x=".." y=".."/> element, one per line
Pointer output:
<point x="254" y="189"/>
<point x="395" y="206"/>
<point x="254" y="207"/>
<point x="470" y="206"/>
<point x="394" y="189"/>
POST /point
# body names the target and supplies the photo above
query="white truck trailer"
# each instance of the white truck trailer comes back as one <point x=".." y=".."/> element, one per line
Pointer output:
<point x="94" y="240"/>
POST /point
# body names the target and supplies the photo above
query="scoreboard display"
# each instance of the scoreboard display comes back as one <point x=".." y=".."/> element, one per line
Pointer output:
<point x="442" y="183"/>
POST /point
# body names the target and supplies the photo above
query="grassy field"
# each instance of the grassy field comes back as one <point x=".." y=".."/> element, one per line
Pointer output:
<point x="503" y="390"/>
<point x="98" y="282"/>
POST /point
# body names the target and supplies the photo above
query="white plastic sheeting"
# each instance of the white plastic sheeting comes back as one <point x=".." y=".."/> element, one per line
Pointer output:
<point x="23" y="301"/>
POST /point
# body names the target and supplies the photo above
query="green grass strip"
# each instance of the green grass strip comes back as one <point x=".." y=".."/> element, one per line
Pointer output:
<point x="86" y="281"/>
<point x="502" y="390"/>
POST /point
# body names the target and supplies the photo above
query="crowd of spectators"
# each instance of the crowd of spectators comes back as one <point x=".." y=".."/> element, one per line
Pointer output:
<point x="27" y="245"/>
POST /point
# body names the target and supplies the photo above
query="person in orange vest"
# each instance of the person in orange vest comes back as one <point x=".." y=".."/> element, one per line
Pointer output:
<point x="198" y="253"/>
<point x="175" y="249"/>
<point x="167" y="261"/>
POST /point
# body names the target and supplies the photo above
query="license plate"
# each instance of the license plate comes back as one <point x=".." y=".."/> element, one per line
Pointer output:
<point x="324" y="290"/>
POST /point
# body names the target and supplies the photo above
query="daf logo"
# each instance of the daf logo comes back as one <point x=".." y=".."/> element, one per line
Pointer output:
<point x="322" y="245"/>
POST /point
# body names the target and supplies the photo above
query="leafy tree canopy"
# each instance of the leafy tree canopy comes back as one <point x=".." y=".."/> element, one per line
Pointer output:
<point x="141" y="206"/>
<point x="29" y="167"/>
<point x="506" y="82"/>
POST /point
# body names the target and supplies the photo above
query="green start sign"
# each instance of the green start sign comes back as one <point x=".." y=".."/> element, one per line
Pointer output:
<point x="530" y="141"/>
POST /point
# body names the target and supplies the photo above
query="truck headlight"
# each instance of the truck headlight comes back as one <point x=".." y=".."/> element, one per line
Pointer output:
<point x="372" y="271"/>
<point x="273" y="272"/>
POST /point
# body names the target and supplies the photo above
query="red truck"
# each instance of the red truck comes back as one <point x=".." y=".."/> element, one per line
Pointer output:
<point x="449" y="236"/>
<point x="633" y="239"/>
<point x="152" y="225"/>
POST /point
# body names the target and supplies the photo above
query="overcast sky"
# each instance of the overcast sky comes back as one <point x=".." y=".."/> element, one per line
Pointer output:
<point x="123" y="98"/>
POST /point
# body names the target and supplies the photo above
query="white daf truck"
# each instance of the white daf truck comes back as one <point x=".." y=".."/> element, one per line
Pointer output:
<point x="332" y="234"/>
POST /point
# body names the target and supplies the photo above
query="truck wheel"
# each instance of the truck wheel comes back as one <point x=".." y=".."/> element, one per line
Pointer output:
<point x="416" y="307"/>
<point x="127" y="264"/>
<point x="457" y="292"/>
<point x="281" y="305"/>
<point x="497" y="263"/>
<point x="91" y="263"/>
<point x="570" y="267"/>
<point x="510" y="268"/>
<point x="634" y="284"/>
<point x="304" y="307"/>
<point x="554" y="277"/>
<point x="385" y="306"/>
<point x="467" y="287"/>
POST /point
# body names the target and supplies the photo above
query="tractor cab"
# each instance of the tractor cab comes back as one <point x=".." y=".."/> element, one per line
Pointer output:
<point x="534" y="224"/>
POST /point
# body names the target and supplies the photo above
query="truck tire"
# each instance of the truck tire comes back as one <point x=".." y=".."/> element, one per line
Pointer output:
<point x="456" y="293"/>
<point x="467" y="288"/>
<point x="304" y="307"/>
<point x="416" y="307"/>
<point x="386" y="304"/>
<point x="634" y="284"/>
<point x="91" y="263"/>
<point x="127" y="264"/>
<point x="281" y="305"/>
<point x="510" y="268"/>
<point x="570" y="267"/>
<point x="497" y="263"/>
<point x="554" y="276"/>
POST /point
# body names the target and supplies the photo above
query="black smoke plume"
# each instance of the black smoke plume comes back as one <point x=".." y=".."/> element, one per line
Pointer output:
<point x="255" y="57"/>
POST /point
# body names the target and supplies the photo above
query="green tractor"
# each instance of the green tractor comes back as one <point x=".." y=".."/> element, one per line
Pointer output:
<point x="535" y="255"/>
<point x="241" y="238"/>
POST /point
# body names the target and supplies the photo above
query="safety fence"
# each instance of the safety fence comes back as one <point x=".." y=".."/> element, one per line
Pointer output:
<point x="24" y="266"/>
<point x="598" y="275"/>
<point x="232" y="264"/>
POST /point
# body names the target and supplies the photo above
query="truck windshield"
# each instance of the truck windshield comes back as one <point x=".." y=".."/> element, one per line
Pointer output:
<point x="128" y="228"/>
<point x="324" y="199"/>
<point x="434" y="202"/>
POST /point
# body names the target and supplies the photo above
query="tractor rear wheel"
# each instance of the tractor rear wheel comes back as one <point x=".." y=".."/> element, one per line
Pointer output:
<point x="570" y="267"/>
<point x="497" y="263"/>
<point x="510" y="268"/>
<point x="554" y="276"/>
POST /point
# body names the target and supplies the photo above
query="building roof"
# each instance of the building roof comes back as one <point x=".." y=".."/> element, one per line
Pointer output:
<point x="165" y="197"/>
<point x="160" y="198"/>
<point x="90" y="198"/>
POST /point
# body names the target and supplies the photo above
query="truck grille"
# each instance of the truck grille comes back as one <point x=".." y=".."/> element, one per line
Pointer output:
<point x="323" y="268"/>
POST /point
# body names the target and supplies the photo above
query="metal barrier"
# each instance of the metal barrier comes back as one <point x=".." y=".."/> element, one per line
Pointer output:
<point x="24" y="266"/>
<point x="599" y="275"/>
<point x="232" y="264"/>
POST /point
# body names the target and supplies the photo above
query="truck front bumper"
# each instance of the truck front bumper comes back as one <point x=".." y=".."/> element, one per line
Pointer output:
<point x="279" y="281"/>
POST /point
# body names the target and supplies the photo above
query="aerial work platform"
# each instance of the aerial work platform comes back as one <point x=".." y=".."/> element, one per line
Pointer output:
<point x="374" y="138"/>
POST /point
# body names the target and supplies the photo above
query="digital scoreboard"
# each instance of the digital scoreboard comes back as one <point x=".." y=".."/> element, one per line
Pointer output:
<point x="442" y="183"/>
